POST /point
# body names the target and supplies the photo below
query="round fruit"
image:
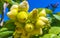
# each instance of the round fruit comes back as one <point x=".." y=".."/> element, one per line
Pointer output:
<point x="42" y="13"/>
<point x="24" y="6"/>
<point x="29" y="27"/>
<point x="12" y="14"/>
<point x="33" y="14"/>
<point x="14" y="7"/>
<point x="44" y="19"/>
<point x="40" y="23"/>
<point x="22" y="16"/>
<point x="37" y="32"/>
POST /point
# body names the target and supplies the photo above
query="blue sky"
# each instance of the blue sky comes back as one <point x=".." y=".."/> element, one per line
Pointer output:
<point x="42" y="4"/>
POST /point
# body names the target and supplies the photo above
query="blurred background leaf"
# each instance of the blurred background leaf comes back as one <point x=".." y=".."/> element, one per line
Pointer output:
<point x="58" y="13"/>
<point x="49" y="36"/>
<point x="54" y="30"/>
<point x="10" y="25"/>
<point x="57" y="17"/>
<point x="6" y="34"/>
<point x="48" y="11"/>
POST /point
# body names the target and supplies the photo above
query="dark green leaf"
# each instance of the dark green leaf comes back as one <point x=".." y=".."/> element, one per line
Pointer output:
<point x="10" y="25"/>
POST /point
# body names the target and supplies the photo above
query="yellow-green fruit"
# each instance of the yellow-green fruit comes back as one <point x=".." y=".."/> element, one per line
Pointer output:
<point x="17" y="34"/>
<point x="18" y="24"/>
<point x="27" y="35"/>
<point x="33" y="15"/>
<point x="12" y="14"/>
<point x="24" y="6"/>
<point x="29" y="27"/>
<point x="37" y="32"/>
<point x="41" y="31"/>
<point x="40" y="24"/>
<point x="22" y="16"/>
<point x="44" y="19"/>
<point x="42" y="13"/>
<point x="14" y="7"/>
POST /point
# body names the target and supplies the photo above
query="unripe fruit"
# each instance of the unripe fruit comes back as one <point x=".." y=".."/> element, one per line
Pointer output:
<point x="22" y="16"/>
<point x="41" y="31"/>
<point x="19" y="25"/>
<point x="42" y="13"/>
<point x="29" y="27"/>
<point x="28" y="24"/>
<point x="37" y="32"/>
<point x="14" y="7"/>
<point x="24" y="6"/>
<point x="40" y="24"/>
<point x="12" y="14"/>
<point x="44" y="19"/>
<point x="33" y="15"/>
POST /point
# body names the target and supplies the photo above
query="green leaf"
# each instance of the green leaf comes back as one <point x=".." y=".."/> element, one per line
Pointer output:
<point x="48" y="11"/>
<point x="50" y="36"/>
<point x="54" y="30"/>
<point x="3" y="29"/>
<point x="10" y="37"/>
<point x="0" y="18"/>
<point x="6" y="33"/>
<point x="0" y="12"/>
<point x="10" y="25"/>
<point x="58" y="36"/>
<point x="39" y="9"/>
<point x="50" y="19"/>
<point x="58" y="13"/>
<point x="57" y="17"/>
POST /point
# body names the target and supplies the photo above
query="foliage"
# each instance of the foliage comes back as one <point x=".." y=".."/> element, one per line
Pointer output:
<point x="48" y="11"/>
<point x="6" y="34"/>
<point x="10" y="25"/>
<point x="51" y="32"/>
<point x="54" y="30"/>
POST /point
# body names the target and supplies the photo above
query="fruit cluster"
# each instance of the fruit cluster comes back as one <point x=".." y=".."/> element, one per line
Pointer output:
<point x="27" y="24"/>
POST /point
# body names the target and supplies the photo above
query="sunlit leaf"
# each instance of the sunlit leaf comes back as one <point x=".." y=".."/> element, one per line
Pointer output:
<point x="48" y="11"/>
<point x="57" y="17"/>
<point x="54" y="30"/>
<point x="6" y="33"/>
<point x="58" y="13"/>
<point x="10" y="37"/>
<point x="3" y="29"/>
<point x="50" y="36"/>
